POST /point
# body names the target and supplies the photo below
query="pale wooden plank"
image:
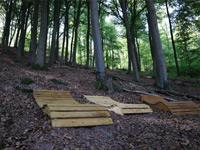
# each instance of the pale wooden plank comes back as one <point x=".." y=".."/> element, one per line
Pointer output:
<point x="136" y="106"/>
<point x="185" y="113"/>
<point x="55" y="91"/>
<point x="77" y="108"/>
<point x="81" y="122"/>
<point x="73" y="105"/>
<point x="136" y="111"/>
<point x="87" y="114"/>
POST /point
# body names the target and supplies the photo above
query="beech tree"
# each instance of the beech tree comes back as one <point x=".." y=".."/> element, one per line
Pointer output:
<point x="34" y="33"/>
<point x="43" y="32"/>
<point x="100" y="68"/>
<point x="129" y="40"/>
<point x="161" y="71"/>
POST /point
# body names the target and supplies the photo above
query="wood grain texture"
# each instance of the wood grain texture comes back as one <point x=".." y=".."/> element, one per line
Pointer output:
<point x="81" y="122"/>
<point x="176" y="108"/>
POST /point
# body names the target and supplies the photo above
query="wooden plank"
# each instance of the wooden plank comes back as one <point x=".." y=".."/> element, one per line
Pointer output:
<point x="55" y="91"/>
<point x="133" y="106"/>
<point x="73" y="105"/>
<point x="42" y="103"/>
<point x="53" y="98"/>
<point x="186" y="113"/>
<point x="77" y="108"/>
<point x="136" y="111"/>
<point x="81" y="122"/>
<point x="87" y="114"/>
<point x="184" y="109"/>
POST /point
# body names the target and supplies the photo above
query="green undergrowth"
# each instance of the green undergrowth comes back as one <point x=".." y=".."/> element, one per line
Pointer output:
<point x="23" y="90"/>
<point x="26" y="81"/>
<point x="56" y="81"/>
<point x="37" y="67"/>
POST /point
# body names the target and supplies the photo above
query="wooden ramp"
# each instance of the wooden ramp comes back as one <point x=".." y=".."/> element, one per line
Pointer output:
<point x="118" y="107"/>
<point x="176" y="108"/>
<point x="64" y="111"/>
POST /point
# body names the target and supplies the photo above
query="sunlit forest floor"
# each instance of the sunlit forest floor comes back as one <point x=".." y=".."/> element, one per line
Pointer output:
<point x="23" y="125"/>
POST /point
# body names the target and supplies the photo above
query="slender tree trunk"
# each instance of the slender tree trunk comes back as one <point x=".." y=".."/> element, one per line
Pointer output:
<point x="129" y="40"/>
<point x="100" y="68"/>
<point x="88" y="35"/>
<point x="76" y="34"/>
<point x="63" y="44"/>
<point x="12" y="36"/>
<point x="47" y="28"/>
<point x="139" y="58"/>
<point x="161" y="77"/>
<point x="22" y="28"/>
<point x="43" y="32"/>
<point x="26" y="25"/>
<point x="172" y="38"/>
<point x="18" y="31"/>
<point x="67" y="30"/>
<point x="34" y="33"/>
<point x="53" y="42"/>
<point x="72" y="41"/>
<point x="7" y="27"/>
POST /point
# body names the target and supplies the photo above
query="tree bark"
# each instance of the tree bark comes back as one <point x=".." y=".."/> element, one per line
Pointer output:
<point x="172" y="38"/>
<point x="22" y="28"/>
<point x="43" y="32"/>
<point x="129" y="40"/>
<point x="7" y="27"/>
<point x="53" y="42"/>
<point x="100" y="68"/>
<point x="18" y="31"/>
<point x="34" y="33"/>
<point x="67" y="5"/>
<point x="76" y="34"/>
<point x="161" y="72"/>
<point x="88" y="35"/>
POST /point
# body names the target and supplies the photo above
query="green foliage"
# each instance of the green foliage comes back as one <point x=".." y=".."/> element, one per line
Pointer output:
<point x="26" y="81"/>
<point x="56" y="81"/>
<point x="23" y="90"/>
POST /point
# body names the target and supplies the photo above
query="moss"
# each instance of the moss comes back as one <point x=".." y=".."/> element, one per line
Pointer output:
<point x="26" y="81"/>
<point x="37" y="67"/>
<point x="24" y="90"/>
<point x="99" y="85"/>
<point x="56" y="81"/>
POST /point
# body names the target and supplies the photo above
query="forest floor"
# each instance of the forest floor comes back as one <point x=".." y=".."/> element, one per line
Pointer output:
<point x="23" y="125"/>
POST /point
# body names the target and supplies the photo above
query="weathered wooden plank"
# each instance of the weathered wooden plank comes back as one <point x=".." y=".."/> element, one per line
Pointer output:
<point x="87" y="114"/>
<point x="184" y="109"/>
<point x="136" y="111"/>
<point x="77" y="108"/>
<point x="42" y="103"/>
<point x="185" y="113"/>
<point x="81" y="122"/>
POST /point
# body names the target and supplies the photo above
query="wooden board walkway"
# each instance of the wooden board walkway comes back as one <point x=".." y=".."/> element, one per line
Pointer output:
<point x="176" y="108"/>
<point x="64" y="111"/>
<point x="117" y="107"/>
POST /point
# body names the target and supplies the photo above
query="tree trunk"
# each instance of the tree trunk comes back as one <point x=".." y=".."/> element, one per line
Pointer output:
<point x="12" y="36"/>
<point x="43" y="32"/>
<point x="34" y="33"/>
<point x="161" y="72"/>
<point x="22" y="28"/>
<point x="76" y="34"/>
<point x="129" y="40"/>
<point x="67" y="29"/>
<point x="18" y="31"/>
<point x="88" y="35"/>
<point x="172" y="38"/>
<point x="7" y="27"/>
<point x="53" y="42"/>
<point x="100" y="68"/>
